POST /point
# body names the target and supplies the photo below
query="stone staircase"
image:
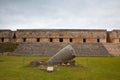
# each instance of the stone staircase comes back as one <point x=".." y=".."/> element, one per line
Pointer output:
<point x="91" y="49"/>
<point x="81" y="49"/>
<point x="113" y="49"/>
<point x="41" y="49"/>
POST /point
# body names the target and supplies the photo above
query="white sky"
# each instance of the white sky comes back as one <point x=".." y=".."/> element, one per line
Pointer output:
<point x="60" y="14"/>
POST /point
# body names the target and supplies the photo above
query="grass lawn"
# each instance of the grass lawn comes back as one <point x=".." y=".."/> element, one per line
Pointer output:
<point x="88" y="68"/>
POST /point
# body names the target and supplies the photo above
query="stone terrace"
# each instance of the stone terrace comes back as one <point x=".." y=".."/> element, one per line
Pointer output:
<point x="113" y="49"/>
<point x="82" y="49"/>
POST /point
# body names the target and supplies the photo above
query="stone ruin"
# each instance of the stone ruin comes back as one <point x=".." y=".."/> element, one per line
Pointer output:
<point x="59" y="35"/>
<point x="85" y="42"/>
<point x="64" y="57"/>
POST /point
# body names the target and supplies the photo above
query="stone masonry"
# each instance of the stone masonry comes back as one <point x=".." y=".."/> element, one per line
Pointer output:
<point x="59" y="35"/>
<point x="47" y="42"/>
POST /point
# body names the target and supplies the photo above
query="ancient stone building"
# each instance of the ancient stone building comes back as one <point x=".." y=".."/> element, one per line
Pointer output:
<point x="60" y="35"/>
<point x="47" y="42"/>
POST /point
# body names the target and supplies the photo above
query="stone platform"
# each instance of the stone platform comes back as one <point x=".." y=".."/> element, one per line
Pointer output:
<point x="81" y="49"/>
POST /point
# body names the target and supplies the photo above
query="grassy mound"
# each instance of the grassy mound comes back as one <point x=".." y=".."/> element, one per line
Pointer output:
<point x="89" y="68"/>
<point x="8" y="47"/>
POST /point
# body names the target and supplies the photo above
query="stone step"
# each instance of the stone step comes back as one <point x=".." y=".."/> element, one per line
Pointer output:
<point x="81" y="49"/>
<point x="113" y="49"/>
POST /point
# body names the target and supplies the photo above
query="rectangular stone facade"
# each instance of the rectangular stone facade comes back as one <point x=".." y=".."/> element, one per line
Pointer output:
<point x="77" y="40"/>
<point x="60" y="35"/>
<point x="116" y="40"/>
<point x="6" y="40"/>
<point x="103" y="40"/>
<point x="19" y="40"/>
<point x="91" y="40"/>
<point x="55" y="40"/>
<point x="31" y="40"/>
<point x="2" y="40"/>
<point x="44" y="40"/>
<point x="66" y="40"/>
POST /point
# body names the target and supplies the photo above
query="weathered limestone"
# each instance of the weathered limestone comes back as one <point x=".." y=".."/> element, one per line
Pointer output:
<point x="44" y="39"/>
<point x="115" y="40"/>
<point x="91" y="40"/>
<point x="60" y="35"/>
<point x="103" y="40"/>
<point x="64" y="55"/>
<point x="81" y="49"/>
<point x="55" y="40"/>
<point x="114" y="36"/>
<point x="77" y="40"/>
<point x="113" y="48"/>
<point x="66" y="40"/>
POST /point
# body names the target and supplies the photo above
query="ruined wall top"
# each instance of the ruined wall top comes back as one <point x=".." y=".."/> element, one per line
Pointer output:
<point x="114" y="34"/>
<point x="5" y="33"/>
<point x="60" y="33"/>
<point x="61" y="30"/>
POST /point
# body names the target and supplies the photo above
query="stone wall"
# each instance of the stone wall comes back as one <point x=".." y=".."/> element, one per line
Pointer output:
<point x="59" y="35"/>
<point x="5" y="36"/>
<point x="114" y="36"/>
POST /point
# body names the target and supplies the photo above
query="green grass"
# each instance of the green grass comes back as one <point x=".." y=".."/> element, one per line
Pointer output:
<point x="88" y="68"/>
<point x="8" y="47"/>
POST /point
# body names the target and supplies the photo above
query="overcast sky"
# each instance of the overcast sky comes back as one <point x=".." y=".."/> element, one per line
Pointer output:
<point x="60" y="14"/>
